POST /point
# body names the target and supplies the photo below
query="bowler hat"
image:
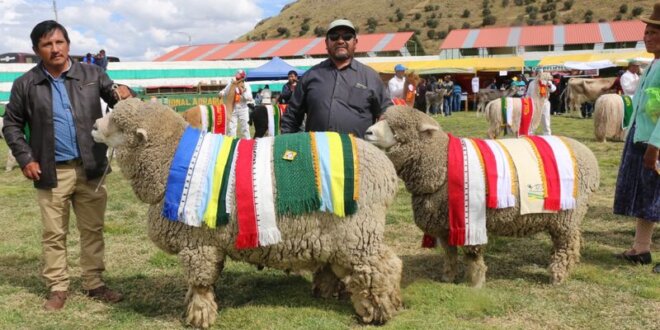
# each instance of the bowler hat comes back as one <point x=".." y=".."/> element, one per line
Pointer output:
<point x="655" y="16"/>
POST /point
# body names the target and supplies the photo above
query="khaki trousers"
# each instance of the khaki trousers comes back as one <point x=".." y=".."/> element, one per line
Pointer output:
<point x="73" y="189"/>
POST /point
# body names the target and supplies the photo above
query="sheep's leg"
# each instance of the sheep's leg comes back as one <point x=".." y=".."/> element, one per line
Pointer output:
<point x="565" y="254"/>
<point x="326" y="284"/>
<point x="475" y="266"/>
<point x="202" y="266"/>
<point x="11" y="162"/>
<point x="374" y="284"/>
<point x="450" y="267"/>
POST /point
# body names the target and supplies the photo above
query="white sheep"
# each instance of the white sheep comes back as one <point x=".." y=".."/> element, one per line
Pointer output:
<point x="417" y="146"/>
<point x="344" y="252"/>
<point x="494" y="109"/>
<point x="608" y="118"/>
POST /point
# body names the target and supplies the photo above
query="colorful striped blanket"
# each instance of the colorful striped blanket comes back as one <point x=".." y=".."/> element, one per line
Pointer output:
<point x="539" y="171"/>
<point x="213" y="176"/>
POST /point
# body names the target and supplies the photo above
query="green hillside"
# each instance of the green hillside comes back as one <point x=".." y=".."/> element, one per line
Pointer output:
<point x="432" y="20"/>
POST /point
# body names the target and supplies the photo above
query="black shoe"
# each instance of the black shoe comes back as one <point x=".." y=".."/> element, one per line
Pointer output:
<point x="656" y="269"/>
<point x="641" y="258"/>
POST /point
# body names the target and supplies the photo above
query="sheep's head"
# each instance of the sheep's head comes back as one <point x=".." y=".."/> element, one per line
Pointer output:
<point x="412" y="140"/>
<point x="145" y="136"/>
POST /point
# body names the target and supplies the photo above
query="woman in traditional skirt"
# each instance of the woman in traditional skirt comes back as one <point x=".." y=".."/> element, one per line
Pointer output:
<point x="638" y="183"/>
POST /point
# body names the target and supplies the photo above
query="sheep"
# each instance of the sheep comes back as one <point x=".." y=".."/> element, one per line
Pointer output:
<point x="494" y="110"/>
<point x="11" y="161"/>
<point x="608" y="118"/>
<point x="343" y="252"/>
<point x="417" y="146"/>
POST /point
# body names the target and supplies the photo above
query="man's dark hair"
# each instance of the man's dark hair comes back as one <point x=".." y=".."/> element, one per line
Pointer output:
<point x="45" y="28"/>
<point x="293" y="72"/>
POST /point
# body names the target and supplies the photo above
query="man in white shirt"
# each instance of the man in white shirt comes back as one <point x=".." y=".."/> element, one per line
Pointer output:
<point x="630" y="79"/>
<point x="242" y="102"/>
<point x="395" y="85"/>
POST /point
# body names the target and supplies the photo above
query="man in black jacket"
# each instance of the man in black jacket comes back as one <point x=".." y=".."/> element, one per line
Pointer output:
<point x="58" y="102"/>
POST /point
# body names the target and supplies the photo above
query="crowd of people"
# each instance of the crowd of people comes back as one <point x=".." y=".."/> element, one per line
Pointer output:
<point x="339" y="94"/>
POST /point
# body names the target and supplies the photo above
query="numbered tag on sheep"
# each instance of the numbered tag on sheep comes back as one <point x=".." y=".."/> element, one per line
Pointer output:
<point x="347" y="254"/>
<point x="423" y="154"/>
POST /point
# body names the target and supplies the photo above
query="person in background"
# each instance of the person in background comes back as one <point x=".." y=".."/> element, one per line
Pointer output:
<point x="630" y="79"/>
<point x="493" y="84"/>
<point x="339" y="94"/>
<point x="88" y="59"/>
<point x="288" y="88"/>
<point x="637" y="191"/>
<point x="420" y="100"/>
<point x="456" y="97"/>
<point x="395" y="85"/>
<point x="102" y="60"/>
<point x="243" y="101"/>
<point x="519" y="85"/>
<point x="448" y="86"/>
<point x="61" y="158"/>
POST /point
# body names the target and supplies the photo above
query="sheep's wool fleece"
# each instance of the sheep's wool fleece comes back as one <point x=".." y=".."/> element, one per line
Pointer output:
<point x="212" y="175"/>
<point x="480" y="175"/>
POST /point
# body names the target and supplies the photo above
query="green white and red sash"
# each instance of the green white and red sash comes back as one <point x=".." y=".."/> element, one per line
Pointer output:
<point x="214" y="118"/>
<point x="480" y="175"/>
<point x="398" y="101"/>
<point x="223" y="176"/>
<point x="526" y="114"/>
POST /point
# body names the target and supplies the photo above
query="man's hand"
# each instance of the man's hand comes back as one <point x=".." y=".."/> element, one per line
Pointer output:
<point x="651" y="156"/>
<point x="122" y="92"/>
<point x="32" y="171"/>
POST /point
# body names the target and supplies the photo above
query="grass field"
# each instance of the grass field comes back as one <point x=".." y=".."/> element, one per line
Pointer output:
<point x="601" y="293"/>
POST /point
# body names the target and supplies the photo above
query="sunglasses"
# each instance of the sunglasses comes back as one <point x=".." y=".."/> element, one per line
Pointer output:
<point x="334" y="36"/>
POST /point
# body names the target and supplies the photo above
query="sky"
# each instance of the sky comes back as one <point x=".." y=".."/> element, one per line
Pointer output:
<point x="133" y="30"/>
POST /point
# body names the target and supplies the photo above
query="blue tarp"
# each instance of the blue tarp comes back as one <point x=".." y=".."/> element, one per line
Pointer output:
<point x="275" y="69"/>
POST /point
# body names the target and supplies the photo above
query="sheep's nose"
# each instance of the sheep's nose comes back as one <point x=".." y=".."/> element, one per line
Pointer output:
<point x="95" y="127"/>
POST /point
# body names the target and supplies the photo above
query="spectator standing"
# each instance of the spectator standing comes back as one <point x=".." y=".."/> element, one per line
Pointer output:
<point x="630" y="79"/>
<point x="396" y="84"/>
<point x="242" y="101"/>
<point x="420" y="100"/>
<point x="61" y="158"/>
<point x="637" y="191"/>
<point x="339" y="94"/>
<point x="288" y="88"/>
<point x="102" y="60"/>
<point x="456" y="97"/>
<point x="448" y="87"/>
<point x="89" y="59"/>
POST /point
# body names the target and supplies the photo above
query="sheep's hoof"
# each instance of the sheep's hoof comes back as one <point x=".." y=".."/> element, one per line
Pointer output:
<point x="378" y="309"/>
<point x="202" y="309"/>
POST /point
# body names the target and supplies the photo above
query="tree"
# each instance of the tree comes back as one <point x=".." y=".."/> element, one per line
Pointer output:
<point x="623" y="9"/>
<point x="430" y="33"/>
<point x="466" y="13"/>
<point x="637" y="11"/>
<point x="505" y="3"/>
<point x="372" y="23"/>
<point x="466" y="25"/>
<point x="568" y="4"/>
<point x="319" y="31"/>
<point x="489" y="20"/>
<point x="418" y="16"/>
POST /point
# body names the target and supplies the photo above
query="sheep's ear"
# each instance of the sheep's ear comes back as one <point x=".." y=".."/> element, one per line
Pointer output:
<point x="427" y="129"/>
<point x="142" y="134"/>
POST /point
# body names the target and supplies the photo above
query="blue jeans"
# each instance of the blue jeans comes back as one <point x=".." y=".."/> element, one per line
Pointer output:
<point x="456" y="102"/>
<point x="447" y="105"/>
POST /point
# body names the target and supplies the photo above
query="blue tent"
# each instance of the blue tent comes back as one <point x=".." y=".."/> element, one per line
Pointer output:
<point x="275" y="69"/>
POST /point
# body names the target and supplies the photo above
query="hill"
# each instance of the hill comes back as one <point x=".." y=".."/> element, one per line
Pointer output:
<point x="432" y="20"/>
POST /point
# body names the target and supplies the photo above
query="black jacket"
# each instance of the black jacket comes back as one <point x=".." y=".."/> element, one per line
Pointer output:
<point x="30" y="104"/>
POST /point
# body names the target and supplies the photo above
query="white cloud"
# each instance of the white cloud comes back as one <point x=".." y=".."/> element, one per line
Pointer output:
<point x="133" y="30"/>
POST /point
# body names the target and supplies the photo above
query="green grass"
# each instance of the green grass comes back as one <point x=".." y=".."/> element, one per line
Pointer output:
<point x="602" y="293"/>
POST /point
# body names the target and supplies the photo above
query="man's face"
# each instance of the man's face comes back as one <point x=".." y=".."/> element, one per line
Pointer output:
<point x="53" y="49"/>
<point x="652" y="39"/>
<point x="338" y="47"/>
<point x="634" y="68"/>
<point x="400" y="74"/>
<point x="293" y="78"/>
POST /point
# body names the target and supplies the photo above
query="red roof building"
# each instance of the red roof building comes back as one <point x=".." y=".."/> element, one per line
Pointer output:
<point x="371" y="44"/>
<point x="518" y="40"/>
